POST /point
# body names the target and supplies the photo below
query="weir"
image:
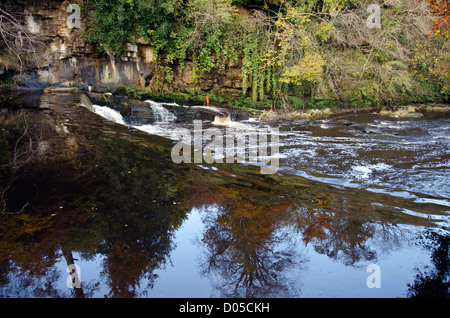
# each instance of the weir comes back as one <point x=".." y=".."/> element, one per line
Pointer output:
<point x="86" y="102"/>
<point x="161" y="114"/>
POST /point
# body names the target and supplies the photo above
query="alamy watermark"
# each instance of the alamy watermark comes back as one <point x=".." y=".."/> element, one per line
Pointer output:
<point x="241" y="145"/>
<point x="374" y="279"/>
<point x="74" y="19"/>
<point x="374" y="19"/>
<point x="74" y="278"/>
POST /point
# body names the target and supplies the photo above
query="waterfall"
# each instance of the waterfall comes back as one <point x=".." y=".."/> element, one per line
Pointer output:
<point x="86" y="102"/>
<point x="161" y="114"/>
<point x="110" y="114"/>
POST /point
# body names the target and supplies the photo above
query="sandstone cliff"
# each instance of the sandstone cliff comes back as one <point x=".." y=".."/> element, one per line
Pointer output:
<point x="70" y="60"/>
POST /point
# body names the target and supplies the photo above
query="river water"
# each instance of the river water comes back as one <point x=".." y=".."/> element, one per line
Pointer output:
<point x="359" y="207"/>
<point x="406" y="154"/>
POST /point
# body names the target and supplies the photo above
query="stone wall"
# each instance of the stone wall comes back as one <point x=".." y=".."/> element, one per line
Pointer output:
<point x="72" y="61"/>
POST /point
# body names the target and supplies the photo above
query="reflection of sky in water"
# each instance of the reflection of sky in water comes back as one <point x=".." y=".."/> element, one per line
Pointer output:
<point x="308" y="274"/>
<point x="182" y="278"/>
<point x="311" y="275"/>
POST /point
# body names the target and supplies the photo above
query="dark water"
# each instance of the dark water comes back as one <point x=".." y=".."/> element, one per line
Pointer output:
<point x="352" y="207"/>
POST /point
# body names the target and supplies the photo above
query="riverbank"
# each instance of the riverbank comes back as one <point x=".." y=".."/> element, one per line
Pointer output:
<point x="268" y="110"/>
<point x="265" y="111"/>
<point x="404" y="111"/>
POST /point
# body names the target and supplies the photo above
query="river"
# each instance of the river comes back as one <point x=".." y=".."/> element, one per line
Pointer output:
<point x="359" y="207"/>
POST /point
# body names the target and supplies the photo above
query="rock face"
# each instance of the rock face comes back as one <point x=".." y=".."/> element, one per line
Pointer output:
<point x="72" y="61"/>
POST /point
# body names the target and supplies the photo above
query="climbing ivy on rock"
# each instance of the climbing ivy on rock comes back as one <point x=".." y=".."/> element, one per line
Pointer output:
<point x="287" y="50"/>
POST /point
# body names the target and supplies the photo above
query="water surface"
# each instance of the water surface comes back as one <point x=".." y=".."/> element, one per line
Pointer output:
<point x="102" y="192"/>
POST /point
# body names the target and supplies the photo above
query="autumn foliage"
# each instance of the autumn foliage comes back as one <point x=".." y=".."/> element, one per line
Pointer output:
<point x="441" y="10"/>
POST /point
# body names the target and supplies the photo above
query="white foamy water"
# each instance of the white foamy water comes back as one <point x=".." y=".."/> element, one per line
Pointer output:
<point x="410" y="155"/>
<point x="365" y="172"/>
<point x="162" y="114"/>
<point x="164" y="130"/>
<point x="109" y="113"/>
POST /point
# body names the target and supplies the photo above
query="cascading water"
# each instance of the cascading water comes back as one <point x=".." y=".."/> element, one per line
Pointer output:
<point x="161" y="114"/>
<point x="408" y="154"/>
<point x="110" y="114"/>
<point x="162" y="118"/>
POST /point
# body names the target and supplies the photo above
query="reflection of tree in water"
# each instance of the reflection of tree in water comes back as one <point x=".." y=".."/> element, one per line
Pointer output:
<point x="245" y="246"/>
<point x="333" y="232"/>
<point x="346" y="241"/>
<point x="136" y="215"/>
<point x="252" y="240"/>
<point x="433" y="282"/>
<point x="116" y="200"/>
<point x="347" y="230"/>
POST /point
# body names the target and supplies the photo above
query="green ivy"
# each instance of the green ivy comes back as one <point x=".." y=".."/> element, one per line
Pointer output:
<point x="290" y="51"/>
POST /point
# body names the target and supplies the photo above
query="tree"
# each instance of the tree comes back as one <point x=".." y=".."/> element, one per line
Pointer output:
<point x="295" y="51"/>
<point x="441" y="10"/>
<point x="19" y="48"/>
<point x="118" y="22"/>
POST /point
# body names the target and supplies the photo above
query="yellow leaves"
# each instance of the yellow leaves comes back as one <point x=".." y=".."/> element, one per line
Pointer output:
<point x="291" y="22"/>
<point x="280" y="23"/>
<point x="309" y="69"/>
<point x="441" y="10"/>
<point x="430" y="61"/>
<point x="270" y="58"/>
<point x="323" y="32"/>
<point x="297" y="47"/>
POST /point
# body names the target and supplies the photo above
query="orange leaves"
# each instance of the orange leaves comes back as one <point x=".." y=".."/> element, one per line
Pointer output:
<point x="205" y="193"/>
<point x="316" y="227"/>
<point x="315" y="222"/>
<point x="441" y="10"/>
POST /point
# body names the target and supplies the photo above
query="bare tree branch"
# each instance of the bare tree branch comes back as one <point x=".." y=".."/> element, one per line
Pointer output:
<point x="17" y="40"/>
